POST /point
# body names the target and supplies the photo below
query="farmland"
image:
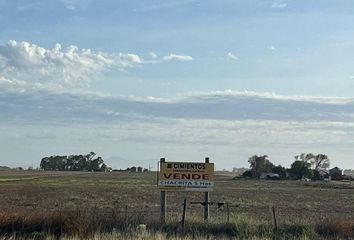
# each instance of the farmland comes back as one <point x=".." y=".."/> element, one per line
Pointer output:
<point x="134" y="197"/>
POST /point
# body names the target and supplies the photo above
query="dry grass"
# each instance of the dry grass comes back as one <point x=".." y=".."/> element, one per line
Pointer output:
<point x="336" y="228"/>
<point x="90" y="204"/>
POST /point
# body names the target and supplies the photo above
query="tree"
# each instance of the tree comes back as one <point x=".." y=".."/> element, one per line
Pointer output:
<point x="300" y="169"/>
<point x="80" y="162"/>
<point x="305" y="157"/>
<point x="53" y="163"/>
<point x="95" y="164"/>
<point x="45" y="163"/>
<point x="247" y="174"/>
<point x="320" y="161"/>
<point x="104" y="167"/>
<point x="280" y="170"/>
<point x="259" y="165"/>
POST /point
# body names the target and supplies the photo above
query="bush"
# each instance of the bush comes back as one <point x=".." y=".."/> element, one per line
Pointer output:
<point x="247" y="174"/>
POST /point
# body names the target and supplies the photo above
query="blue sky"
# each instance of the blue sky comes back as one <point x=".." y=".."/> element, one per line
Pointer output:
<point x="120" y="57"/>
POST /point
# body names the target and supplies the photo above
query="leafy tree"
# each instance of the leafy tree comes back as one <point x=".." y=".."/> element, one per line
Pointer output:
<point x="45" y="163"/>
<point x="247" y="174"/>
<point x="316" y="175"/>
<point x="80" y="162"/>
<point x="318" y="162"/>
<point x="54" y="163"/>
<point x="103" y="167"/>
<point x="95" y="164"/>
<point x="300" y="169"/>
<point x="280" y="170"/>
<point x="259" y="165"/>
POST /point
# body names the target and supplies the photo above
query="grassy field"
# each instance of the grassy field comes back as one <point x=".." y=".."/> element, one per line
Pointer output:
<point x="104" y="198"/>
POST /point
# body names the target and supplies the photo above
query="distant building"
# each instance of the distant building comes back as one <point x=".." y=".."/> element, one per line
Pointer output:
<point x="239" y="171"/>
<point x="348" y="172"/>
<point x="336" y="173"/>
<point x="137" y="169"/>
<point x="269" y="176"/>
<point x="347" y="177"/>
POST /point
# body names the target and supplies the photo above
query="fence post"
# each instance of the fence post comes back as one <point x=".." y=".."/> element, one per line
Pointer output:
<point x="228" y="212"/>
<point x="275" y="219"/>
<point x="206" y="200"/>
<point x="162" y="200"/>
<point x="126" y="216"/>
<point x="184" y="214"/>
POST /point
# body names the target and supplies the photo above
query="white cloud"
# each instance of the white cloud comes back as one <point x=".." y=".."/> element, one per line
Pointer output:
<point x="232" y="56"/>
<point x="69" y="4"/>
<point x="272" y="48"/>
<point x="176" y="57"/>
<point x="127" y="59"/>
<point x="244" y="138"/>
<point x="73" y="5"/>
<point x="269" y="95"/>
<point x="263" y="123"/>
<point x="12" y="84"/>
<point x="153" y="55"/>
<point x="279" y="5"/>
<point x="72" y="67"/>
<point x="228" y="106"/>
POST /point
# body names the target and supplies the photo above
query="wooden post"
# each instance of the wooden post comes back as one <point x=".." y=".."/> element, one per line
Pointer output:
<point x="126" y="216"/>
<point x="184" y="214"/>
<point x="162" y="201"/>
<point x="228" y="213"/>
<point x="206" y="200"/>
<point x="163" y="206"/>
<point x="275" y="219"/>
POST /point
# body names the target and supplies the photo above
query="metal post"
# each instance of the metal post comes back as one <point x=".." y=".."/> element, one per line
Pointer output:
<point x="206" y="200"/>
<point x="162" y="200"/>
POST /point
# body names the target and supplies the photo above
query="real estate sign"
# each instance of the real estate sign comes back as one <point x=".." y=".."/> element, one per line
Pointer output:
<point x="187" y="176"/>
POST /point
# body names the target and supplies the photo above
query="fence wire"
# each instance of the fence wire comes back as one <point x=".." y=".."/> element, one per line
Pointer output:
<point x="219" y="212"/>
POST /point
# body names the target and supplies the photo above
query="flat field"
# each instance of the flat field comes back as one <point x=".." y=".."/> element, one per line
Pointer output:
<point x="295" y="202"/>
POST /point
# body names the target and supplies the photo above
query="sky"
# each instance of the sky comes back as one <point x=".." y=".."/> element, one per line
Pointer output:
<point x="135" y="81"/>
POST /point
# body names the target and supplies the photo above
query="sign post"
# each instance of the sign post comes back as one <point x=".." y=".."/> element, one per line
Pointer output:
<point x="206" y="200"/>
<point x="185" y="176"/>
<point x="162" y="199"/>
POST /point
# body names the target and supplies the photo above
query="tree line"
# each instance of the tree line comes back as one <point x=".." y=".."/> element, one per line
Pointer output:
<point x="88" y="162"/>
<point x="306" y="165"/>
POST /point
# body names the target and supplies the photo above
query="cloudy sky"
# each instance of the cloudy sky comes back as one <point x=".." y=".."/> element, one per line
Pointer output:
<point x="181" y="79"/>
